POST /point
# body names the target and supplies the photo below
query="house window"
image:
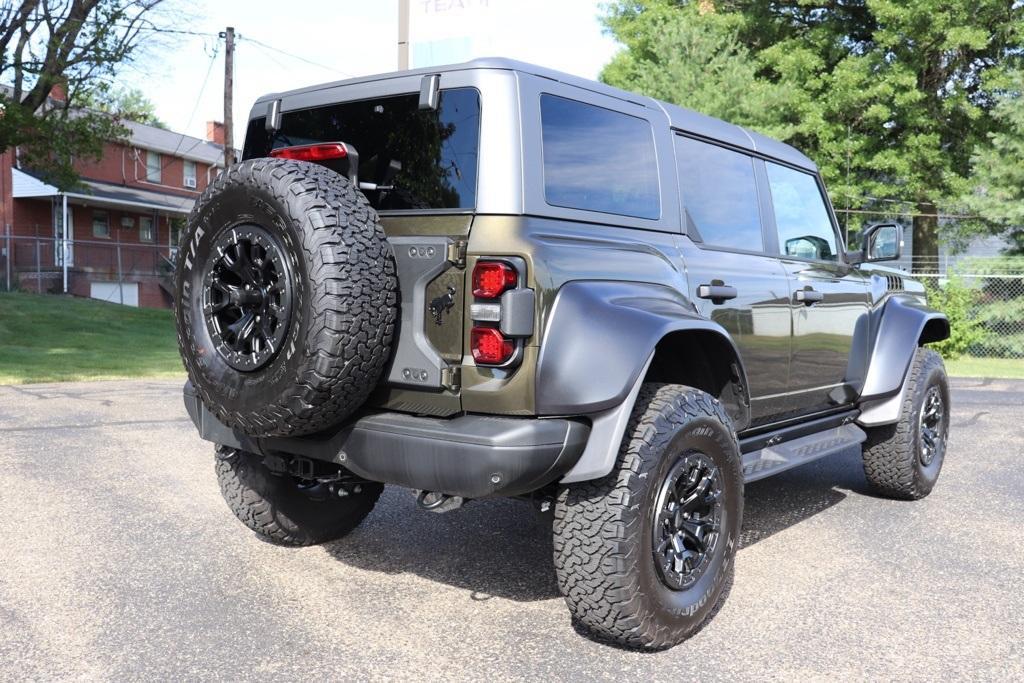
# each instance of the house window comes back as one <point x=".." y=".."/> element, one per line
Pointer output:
<point x="152" y="166"/>
<point x="190" y="174"/>
<point x="100" y="224"/>
<point x="146" y="233"/>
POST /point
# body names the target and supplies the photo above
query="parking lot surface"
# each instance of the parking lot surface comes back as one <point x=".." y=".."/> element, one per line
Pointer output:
<point x="119" y="560"/>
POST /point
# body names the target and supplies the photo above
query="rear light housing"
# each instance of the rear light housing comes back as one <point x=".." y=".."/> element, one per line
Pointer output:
<point x="490" y="346"/>
<point x="324" y="151"/>
<point x="502" y="311"/>
<point x="491" y="279"/>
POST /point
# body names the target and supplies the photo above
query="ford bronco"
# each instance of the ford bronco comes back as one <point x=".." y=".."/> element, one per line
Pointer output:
<point x="493" y="279"/>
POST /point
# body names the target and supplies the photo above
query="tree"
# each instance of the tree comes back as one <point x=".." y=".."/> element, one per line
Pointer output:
<point x="691" y="56"/>
<point x="130" y="104"/>
<point x="998" y="171"/>
<point x="890" y="97"/>
<point x="71" y="49"/>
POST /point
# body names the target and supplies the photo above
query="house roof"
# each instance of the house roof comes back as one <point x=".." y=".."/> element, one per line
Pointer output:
<point x="102" y="194"/>
<point x="176" y="144"/>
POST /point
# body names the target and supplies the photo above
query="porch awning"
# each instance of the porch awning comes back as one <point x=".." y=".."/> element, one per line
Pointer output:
<point x="108" y="195"/>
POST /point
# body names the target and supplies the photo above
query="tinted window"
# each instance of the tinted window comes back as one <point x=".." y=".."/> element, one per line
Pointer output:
<point x="719" y="195"/>
<point x="428" y="158"/>
<point x="805" y="230"/>
<point x="598" y="160"/>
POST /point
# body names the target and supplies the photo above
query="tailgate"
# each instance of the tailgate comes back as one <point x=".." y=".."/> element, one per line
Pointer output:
<point x="424" y="373"/>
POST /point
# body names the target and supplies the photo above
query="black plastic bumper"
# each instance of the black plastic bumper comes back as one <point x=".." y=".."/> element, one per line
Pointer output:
<point x="473" y="456"/>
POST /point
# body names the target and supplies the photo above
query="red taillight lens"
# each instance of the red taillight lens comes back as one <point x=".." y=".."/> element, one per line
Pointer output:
<point x="319" y="152"/>
<point x="492" y="278"/>
<point x="490" y="346"/>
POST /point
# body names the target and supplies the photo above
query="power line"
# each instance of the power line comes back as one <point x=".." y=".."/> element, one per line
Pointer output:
<point x="294" y="56"/>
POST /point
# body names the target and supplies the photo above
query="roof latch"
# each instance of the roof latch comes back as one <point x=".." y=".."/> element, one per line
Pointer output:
<point x="430" y="88"/>
<point x="273" y="116"/>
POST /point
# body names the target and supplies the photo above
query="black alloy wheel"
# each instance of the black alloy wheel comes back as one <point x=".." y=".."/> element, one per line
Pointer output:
<point x="687" y="520"/>
<point x="932" y="426"/>
<point x="247" y="297"/>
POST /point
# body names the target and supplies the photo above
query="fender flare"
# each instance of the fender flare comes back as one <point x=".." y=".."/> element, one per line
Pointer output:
<point x="905" y="324"/>
<point x="599" y="341"/>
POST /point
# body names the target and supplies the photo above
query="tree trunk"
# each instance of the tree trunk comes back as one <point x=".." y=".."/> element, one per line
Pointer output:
<point x="926" y="239"/>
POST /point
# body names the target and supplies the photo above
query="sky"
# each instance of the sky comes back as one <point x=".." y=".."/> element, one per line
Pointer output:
<point x="318" y="41"/>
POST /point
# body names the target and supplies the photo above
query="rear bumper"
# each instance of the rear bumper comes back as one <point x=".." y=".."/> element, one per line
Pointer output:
<point x="473" y="456"/>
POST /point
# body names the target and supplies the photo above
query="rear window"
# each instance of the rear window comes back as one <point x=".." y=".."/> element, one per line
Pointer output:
<point x="597" y="159"/>
<point x="436" y="151"/>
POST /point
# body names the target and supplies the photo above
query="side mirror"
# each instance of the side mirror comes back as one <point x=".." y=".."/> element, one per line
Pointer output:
<point x="882" y="242"/>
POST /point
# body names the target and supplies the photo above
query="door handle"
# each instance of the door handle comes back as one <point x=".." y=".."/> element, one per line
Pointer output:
<point x="808" y="297"/>
<point x="717" y="292"/>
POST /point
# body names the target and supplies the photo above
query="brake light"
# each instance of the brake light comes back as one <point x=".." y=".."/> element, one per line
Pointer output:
<point x="490" y="347"/>
<point x="316" y="152"/>
<point x="491" y="279"/>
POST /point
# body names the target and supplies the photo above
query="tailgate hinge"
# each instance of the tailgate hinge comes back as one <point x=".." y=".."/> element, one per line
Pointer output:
<point x="457" y="253"/>
<point x="451" y="377"/>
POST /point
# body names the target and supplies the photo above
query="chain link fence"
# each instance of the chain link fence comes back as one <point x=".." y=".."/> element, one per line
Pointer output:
<point x="110" y="270"/>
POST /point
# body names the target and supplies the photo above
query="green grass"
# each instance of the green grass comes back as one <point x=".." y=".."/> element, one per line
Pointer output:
<point x="1005" y="368"/>
<point x="45" y="338"/>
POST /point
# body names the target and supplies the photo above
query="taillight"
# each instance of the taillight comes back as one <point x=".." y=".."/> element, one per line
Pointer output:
<point x="318" y="152"/>
<point x="490" y="346"/>
<point x="491" y="279"/>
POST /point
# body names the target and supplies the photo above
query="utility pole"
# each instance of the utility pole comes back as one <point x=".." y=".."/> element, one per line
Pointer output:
<point x="229" y="87"/>
<point x="403" y="35"/>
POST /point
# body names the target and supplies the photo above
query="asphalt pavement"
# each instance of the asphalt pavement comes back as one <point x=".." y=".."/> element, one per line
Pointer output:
<point x="119" y="560"/>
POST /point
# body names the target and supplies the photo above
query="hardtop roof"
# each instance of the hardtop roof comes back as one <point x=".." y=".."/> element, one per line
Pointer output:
<point x="680" y="118"/>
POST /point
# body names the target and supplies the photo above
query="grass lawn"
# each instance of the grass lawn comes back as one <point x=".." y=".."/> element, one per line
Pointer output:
<point x="966" y="366"/>
<point x="46" y="338"/>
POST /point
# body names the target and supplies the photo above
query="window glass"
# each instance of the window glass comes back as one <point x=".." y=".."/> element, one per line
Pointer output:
<point x="190" y="173"/>
<point x="719" y="195"/>
<point x="805" y="230"/>
<point x="100" y="224"/>
<point x="598" y="160"/>
<point x="424" y="159"/>
<point x="152" y="167"/>
<point x="145" y="229"/>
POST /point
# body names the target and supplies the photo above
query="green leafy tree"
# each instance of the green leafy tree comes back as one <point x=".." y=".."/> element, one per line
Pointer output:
<point x="129" y="104"/>
<point x="890" y="97"/>
<point x="999" y="171"/>
<point x="55" y="56"/>
<point x="691" y="56"/>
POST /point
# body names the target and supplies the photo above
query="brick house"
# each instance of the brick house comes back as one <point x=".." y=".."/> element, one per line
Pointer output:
<point x="123" y="221"/>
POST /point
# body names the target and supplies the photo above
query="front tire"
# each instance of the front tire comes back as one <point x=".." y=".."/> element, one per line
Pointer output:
<point x="644" y="555"/>
<point x="285" y="510"/>
<point x="903" y="460"/>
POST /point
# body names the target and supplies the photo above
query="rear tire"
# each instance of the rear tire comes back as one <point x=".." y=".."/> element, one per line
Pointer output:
<point x="903" y="460"/>
<point x="608" y="532"/>
<point x="283" y="510"/>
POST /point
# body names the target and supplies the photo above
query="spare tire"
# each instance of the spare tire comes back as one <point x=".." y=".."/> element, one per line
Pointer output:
<point x="286" y="297"/>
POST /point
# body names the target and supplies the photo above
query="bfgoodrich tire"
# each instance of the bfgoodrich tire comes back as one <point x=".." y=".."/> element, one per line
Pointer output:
<point x="903" y="460"/>
<point x="644" y="555"/>
<point x="285" y="510"/>
<point x="286" y="298"/>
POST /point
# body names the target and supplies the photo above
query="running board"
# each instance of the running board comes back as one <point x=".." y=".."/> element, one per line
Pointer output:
<point x="783" y="456"/>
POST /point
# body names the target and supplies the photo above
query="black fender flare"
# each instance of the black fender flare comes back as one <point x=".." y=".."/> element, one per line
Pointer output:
<point x="599" y="338"/>
<point x="906" y="323"/>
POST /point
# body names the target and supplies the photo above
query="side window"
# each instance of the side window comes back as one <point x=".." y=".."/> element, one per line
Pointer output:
<point x="597" y="159"/>
<point x="719" y="194"/>
<point x="805" y="229"/>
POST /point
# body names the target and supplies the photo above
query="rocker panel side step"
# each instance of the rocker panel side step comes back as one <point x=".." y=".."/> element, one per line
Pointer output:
<point x="783" y="456"/>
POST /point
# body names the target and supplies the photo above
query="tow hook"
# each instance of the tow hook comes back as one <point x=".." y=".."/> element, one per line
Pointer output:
<point x="433" y="501"/>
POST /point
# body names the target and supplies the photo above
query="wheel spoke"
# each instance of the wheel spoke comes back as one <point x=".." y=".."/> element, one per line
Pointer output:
<point x="685" y="521"/>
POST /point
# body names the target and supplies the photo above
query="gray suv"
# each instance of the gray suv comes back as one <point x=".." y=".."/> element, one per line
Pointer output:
<point x="492" y="279"/>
